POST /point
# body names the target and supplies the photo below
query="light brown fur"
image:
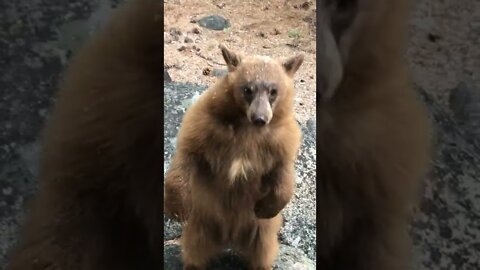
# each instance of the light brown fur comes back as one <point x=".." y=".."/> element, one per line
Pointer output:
<point x="99" y="205"/>
<point x="373" y="140"/>
<point x="229" y="179"/>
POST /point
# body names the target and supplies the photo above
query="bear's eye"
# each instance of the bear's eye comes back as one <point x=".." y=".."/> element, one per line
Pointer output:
<point x="273" y="92"/>
<point x="247" y="90"/>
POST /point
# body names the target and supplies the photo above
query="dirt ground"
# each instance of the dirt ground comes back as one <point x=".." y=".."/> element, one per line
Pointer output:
<point x="277" y="28"/>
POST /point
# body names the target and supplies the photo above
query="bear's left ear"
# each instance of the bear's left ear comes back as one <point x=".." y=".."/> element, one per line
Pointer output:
<point x="292" y="64"/>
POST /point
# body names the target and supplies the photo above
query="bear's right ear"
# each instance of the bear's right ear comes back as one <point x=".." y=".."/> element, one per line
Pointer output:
<point x="232" y="59"/>
<point x="337" y="26"/>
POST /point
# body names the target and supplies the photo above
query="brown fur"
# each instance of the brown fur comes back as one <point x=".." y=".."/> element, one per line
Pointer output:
<point x="217" y="141"/>
<point x="100" y="176"/>
<point x="373" y="139"/>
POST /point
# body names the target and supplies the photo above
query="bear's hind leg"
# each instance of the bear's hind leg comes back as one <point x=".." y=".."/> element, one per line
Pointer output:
<point x="263" y="250"/>
<point x="201" y="241"/>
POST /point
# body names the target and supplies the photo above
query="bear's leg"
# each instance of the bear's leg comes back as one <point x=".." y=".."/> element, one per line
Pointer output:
<point x="263" y="249"/>
<point x="385" y="245"/>
<point x="201" y="241"/>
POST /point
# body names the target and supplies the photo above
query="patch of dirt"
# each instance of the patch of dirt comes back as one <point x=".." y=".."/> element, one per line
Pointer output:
<point x="277" y="28"/>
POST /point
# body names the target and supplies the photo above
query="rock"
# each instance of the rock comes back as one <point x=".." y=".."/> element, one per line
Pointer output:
<point x="175" y="33"/>
<point x="167" y="38"/>
<point x="276" y="32"/>
<point x="195" y="30"/>
<point x="214" y="22"/>
<point x="288" y="259"/>
<point x="166" y="76"/>
<point x="465" y="104"/>
<point x="206" y="71"/>
<point x="188" y="40"/>
<point x="219" y="72"/>
<point x="450" y="199"/>
<point x="221" y="5"/>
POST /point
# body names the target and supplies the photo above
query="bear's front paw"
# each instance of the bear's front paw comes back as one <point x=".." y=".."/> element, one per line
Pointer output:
<point x="265" y="210"/>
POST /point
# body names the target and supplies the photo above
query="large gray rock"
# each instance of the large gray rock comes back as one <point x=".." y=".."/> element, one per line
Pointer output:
<point x="446" y="231"/>
<point x="300" y="224"/>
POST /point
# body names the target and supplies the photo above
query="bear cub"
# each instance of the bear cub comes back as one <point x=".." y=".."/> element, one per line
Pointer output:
<point x="233" y="170"/>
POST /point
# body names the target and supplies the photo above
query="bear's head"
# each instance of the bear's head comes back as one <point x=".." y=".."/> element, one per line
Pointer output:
<point x="262" y="86"/>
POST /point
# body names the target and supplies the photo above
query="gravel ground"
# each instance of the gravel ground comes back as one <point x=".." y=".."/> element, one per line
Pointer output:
<point x="276" y="28"/>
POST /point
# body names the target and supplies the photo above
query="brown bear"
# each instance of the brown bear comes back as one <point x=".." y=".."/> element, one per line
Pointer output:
<point x="233" y="170"/>
<point x="99" y="204"/>
<point x="373" y="136"/>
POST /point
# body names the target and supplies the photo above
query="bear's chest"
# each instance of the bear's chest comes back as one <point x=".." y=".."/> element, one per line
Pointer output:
<point x="244" y="158"/>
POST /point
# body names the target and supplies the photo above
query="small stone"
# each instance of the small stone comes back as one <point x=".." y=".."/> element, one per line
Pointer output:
<point x="175" y="33"/>
<point x="262" y="34"/>
<point x="167" y="38"/>
<point x="206" y="71"/>
<point x="166" y="76"/>
<point x="182" y="48"/>
<point x="7" y="191"/>
<point x="276" y="32"/>
<point x="214" y="22"/>
<point x="219" y="72"/>
<point x="266" y="47"/>
<point x="305" y="5"/>
<point x="188" y="40"/>
<point x="433" y="37"/>
<point x="221" y="5"/>
<point x="195" y="30"/>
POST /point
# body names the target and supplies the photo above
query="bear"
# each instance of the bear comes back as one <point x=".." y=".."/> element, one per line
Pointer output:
<point x="233" y="170"/>
<point x="99" y="204"/>
<point x="374" y="137"/>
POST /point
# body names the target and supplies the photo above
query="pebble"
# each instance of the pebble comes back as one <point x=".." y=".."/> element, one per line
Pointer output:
<point x="166" y="76"/>
<point x="7" y="191"/>
<point x="219" y="72"/>
<point x="195" y="30"/>
<point x="214" y="22"/>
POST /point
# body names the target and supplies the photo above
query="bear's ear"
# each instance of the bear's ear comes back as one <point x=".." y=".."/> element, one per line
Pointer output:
<point x="335" y="33"/>
<point x="232" y="59"/>
<point x="341" y="13"/>
<point x="292" y="64"/>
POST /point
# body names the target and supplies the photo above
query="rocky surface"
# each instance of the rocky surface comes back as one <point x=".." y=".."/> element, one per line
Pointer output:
<point x="38" y="37"/>
<point x="446" y="231"/>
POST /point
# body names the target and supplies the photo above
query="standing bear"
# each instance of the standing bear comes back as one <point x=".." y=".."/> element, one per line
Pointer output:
<point x="373" y="136"/>
<point x="233" y="171"/>
<point x="99" y="204"/>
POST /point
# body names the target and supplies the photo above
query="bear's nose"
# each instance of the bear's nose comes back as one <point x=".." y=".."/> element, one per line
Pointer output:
<point x="259" y="121"/>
